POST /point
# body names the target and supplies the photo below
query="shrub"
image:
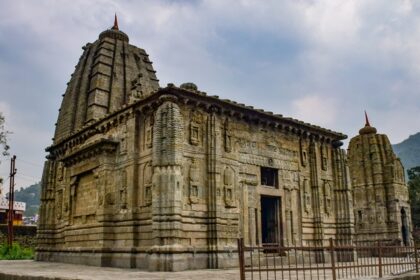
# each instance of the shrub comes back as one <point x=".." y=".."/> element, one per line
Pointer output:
<point x="15" y="252"/>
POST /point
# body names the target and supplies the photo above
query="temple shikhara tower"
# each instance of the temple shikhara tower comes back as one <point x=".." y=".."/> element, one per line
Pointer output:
<point x="381" y="205"/>
<point x="168" y="178"/>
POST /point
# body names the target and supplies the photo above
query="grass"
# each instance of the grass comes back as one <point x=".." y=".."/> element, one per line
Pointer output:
<point x="15" y="252"/>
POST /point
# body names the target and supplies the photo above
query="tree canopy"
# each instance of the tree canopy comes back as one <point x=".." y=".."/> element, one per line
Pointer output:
<point x="3" y="136"/>
<point x="414" y="192"/>
<point x="4" y="148"/>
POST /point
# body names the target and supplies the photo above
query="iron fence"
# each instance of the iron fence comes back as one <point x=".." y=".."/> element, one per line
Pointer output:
<point x="337" y="260"/>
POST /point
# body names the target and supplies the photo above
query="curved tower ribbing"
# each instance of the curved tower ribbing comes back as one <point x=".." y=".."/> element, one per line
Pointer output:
<point x="380" y="195"/>
<point x="110" y="74"/>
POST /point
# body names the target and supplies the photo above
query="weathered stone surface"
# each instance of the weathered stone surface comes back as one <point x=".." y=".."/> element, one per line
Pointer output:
<point x="110" y="74"/>
<point x="380" y="195"/>
<point x="172" y="179"/>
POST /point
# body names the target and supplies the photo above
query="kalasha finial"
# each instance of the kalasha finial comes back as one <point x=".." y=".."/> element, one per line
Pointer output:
<point x="115" y="27"/>
<point x="367" y="129"/>
<point x="367" y="119"/>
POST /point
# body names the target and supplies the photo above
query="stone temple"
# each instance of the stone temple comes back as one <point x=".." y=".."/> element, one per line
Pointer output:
<point x="168" y="178"/>
<point x="380" y="194"/>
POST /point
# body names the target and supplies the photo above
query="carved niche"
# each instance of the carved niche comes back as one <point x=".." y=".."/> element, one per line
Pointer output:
<point x="194" y="182"/>
<point x="60" y="171"/>
<point x="359" y="218"/>
<point x="84" y="197"/>
<point x="327" y="197"/>
<point x="324" y="157"/>
<point x="59" y="203"/>
<point x="123" y="140"/>
<point x="227" y="137"/>
<point x="147" y="183"/>
<point x="72" y="198"/>
<point x="148" y="124"/>
<point x="123" y="189"/>
<point x="195" y="127"/>
<point x="100" y="186"/>
<point x="380" y="215"/>
<point x="288" y="196"/>
<point x="306" y="195"/>
<point x="372" y="216"/>
<point x="303" y="153"/>
<point x="136" y="85"/>
<point x="229" y="186"/>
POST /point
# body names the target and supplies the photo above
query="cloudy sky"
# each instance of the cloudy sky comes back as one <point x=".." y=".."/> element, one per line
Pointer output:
<point x="322" y="61"/>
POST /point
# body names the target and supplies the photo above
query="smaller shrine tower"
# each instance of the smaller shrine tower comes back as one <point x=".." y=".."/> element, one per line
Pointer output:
<point x="380" y="194"/>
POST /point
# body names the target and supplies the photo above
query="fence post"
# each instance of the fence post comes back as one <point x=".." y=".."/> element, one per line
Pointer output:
<point x="380" y="259"/>
<point x="416" y="257"/>
<point x="332" y="249"/>
<point x="241" y="258"/>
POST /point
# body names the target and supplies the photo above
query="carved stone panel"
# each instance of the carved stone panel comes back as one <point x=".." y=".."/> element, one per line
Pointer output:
<point x="194" y="182"/>
<point x="85" y="197"/>
<point x="229" y="187"/>
<point x="195" y="128"/>
<point x="327" y="197"/>
<point x="324" y="157"/>
<point x="227" y="137"/>
<point x="306" y="195"/>
<point x="303" y="152"/>
<point x="60" y="171"/>
<point x="148" y="124"/>
<point x="59" y="204"/>
<point x="123" y="189"/>
<point x="147" y="183"/>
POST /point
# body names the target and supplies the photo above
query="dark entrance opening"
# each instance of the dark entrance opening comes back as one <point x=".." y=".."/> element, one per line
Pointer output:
<point x="404" y="228"/>
<point x="269" y="177"/>
<point x="270" y="219"/>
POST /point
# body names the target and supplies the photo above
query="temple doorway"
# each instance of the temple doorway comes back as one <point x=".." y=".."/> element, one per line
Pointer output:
<point x="270" y="219"/>
<point x="404" y="228"/>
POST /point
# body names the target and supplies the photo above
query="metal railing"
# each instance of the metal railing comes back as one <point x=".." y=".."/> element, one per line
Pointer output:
<point x="337" y="260"/>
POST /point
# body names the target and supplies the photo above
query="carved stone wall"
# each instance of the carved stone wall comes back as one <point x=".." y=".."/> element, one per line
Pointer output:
<point x="168" y="179"/>
<point x="380" y="195"/>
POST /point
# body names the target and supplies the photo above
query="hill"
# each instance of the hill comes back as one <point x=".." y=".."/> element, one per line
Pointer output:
<point x="31" y="196"/>
<point x="409" y="151"/>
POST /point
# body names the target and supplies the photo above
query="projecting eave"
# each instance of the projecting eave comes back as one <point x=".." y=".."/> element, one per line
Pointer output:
<point x="249" y="113"/>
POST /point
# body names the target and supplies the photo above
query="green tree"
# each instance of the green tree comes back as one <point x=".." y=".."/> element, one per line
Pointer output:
<point x="414" y="193"/>
<point x="3" y="136"/>
<point x="4" y="148"/>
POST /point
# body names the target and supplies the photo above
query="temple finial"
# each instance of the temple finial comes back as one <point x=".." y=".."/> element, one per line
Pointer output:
<point x="115" y="27"/>
<point x="367" y="119"/>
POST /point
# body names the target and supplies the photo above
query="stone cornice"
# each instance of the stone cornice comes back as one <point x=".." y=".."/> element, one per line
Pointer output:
<point x="249" y="113"/>
<point x="93" y="149"/>
<point x="99" y="126"/>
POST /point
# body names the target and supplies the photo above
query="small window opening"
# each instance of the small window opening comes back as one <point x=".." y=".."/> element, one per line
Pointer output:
<point x="269" y="177"/>
<point x="360" y="215"/>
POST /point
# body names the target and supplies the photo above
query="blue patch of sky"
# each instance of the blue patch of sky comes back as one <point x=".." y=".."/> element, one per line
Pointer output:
<point x="257" y="47"/>
<point x="262" y="60"/>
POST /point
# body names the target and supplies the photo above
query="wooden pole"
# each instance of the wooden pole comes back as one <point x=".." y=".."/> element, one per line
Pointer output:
<point x="380" y="258"/>
<point x="11" y="201"/>
<point x="332" y="249"/>
<point x="241" y="258"/>
<point x="417" y="257"/>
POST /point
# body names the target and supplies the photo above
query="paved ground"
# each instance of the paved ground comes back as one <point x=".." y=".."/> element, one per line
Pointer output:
<point x="29" y="270"/>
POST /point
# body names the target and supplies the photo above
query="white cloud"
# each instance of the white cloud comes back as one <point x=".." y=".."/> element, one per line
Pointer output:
<point x="5" y="110"/>
<point x="316" y="109"/>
